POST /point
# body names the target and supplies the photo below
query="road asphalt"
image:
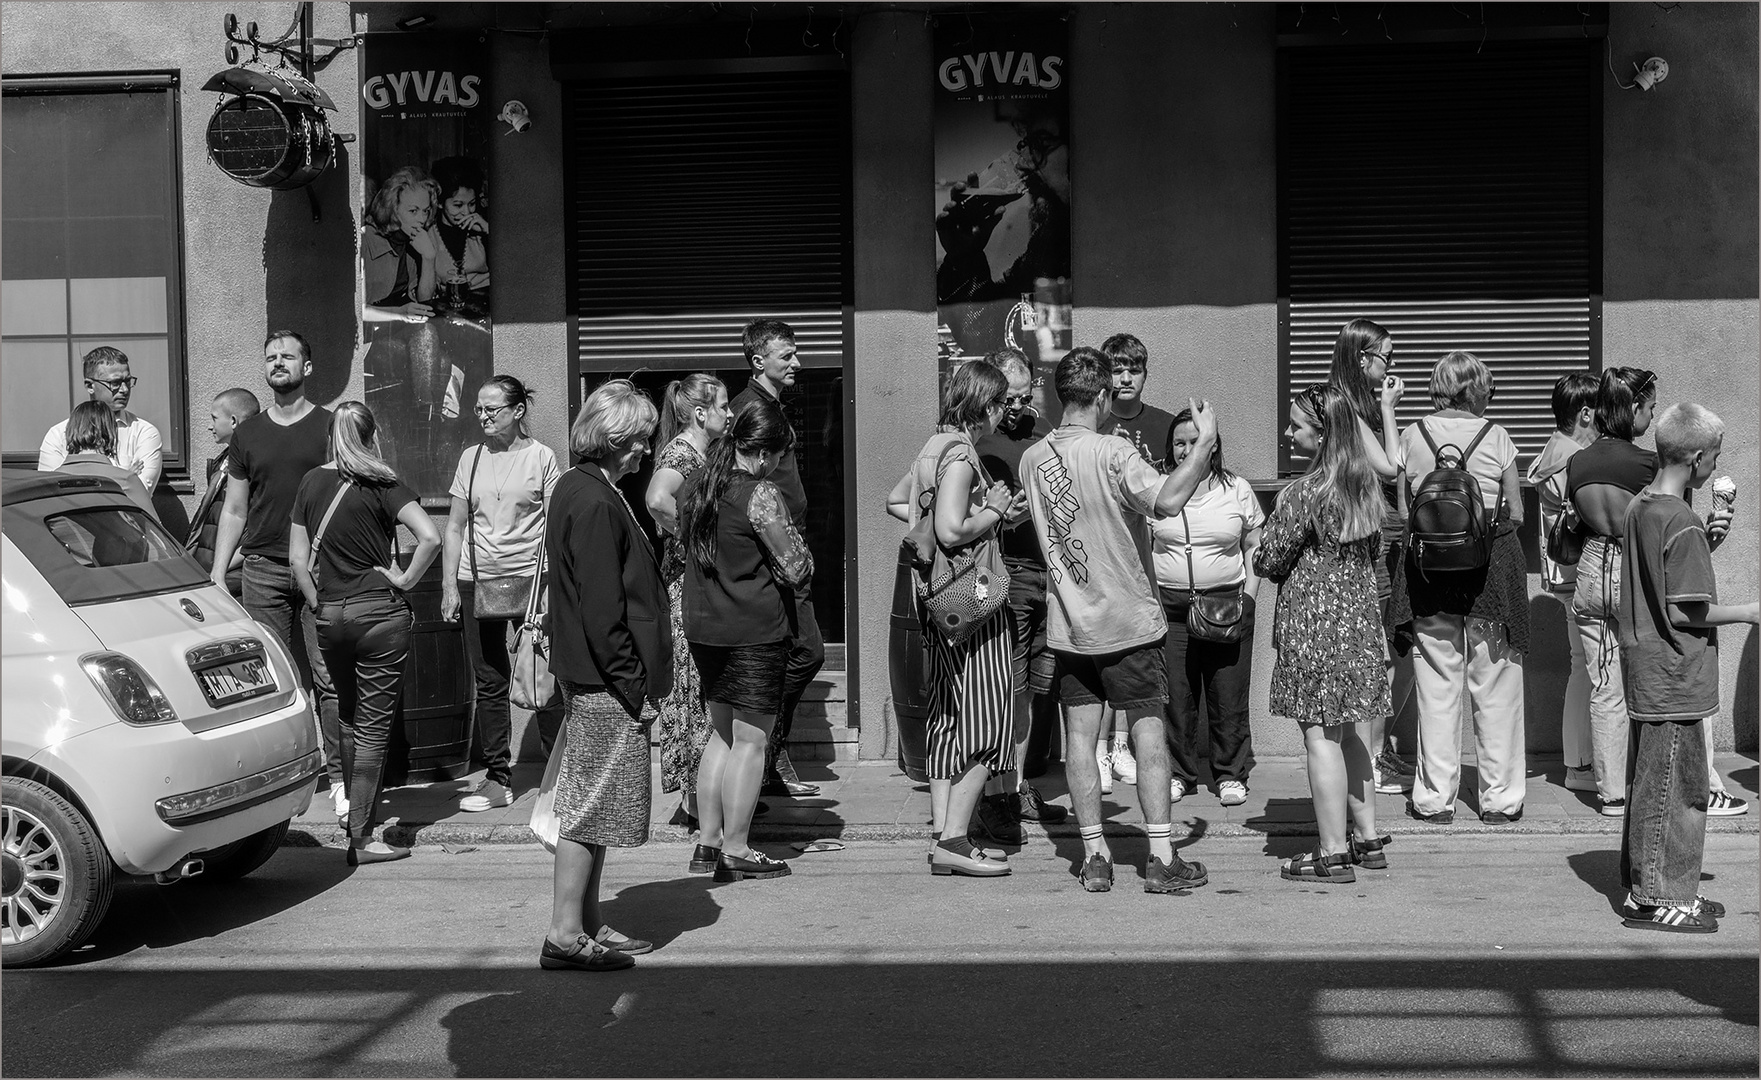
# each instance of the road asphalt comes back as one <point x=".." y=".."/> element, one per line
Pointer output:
<point x="1480" y="954"/>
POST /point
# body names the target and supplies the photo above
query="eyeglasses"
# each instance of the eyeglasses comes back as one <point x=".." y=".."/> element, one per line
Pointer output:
<point x="1385" y="357"/>
<point x="1013" y="400"/>
<point x="117" y="385"/>
<point x="484" y="413"/>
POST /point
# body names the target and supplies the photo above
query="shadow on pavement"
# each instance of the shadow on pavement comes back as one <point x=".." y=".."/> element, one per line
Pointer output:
<point x="1601" y="1016"/>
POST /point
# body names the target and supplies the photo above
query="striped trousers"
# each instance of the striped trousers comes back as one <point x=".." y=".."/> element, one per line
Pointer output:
<point x="972" y="699"/>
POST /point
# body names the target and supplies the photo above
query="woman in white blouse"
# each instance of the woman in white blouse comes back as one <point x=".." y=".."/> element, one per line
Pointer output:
<point x="1208" y="547"/>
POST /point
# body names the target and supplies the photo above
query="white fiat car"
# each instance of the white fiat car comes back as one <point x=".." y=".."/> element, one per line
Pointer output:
<point x="151" y="727"/>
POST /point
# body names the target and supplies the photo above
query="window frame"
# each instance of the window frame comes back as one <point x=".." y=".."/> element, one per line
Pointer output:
<point x="175" y="432"/>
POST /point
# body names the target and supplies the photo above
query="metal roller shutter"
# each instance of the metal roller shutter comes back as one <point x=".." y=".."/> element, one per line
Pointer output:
<point x="700" y="202"/>
<point x="1453" y="196"/>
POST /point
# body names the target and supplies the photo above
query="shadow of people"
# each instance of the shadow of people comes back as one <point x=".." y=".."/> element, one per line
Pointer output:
<point x="661" y="911"/>
<point x="1600" y="870"/>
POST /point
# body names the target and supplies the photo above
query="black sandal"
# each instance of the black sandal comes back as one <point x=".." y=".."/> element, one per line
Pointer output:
<point x="1314" y="866"/>
<point x="1368" y="853"/>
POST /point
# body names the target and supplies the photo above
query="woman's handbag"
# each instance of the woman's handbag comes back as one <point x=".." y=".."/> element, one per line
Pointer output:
<point x="964" y="586"/>
<point x="1215" y="616"/>
<point x="530" y="683"/>
<point x="497" y="597"/>
<point x="1565" y="539"/>
<point x="544" y="824"/>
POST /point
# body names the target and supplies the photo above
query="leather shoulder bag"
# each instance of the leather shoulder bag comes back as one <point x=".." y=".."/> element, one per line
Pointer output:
<point x="530" y="683"/>
<point x="1213" y="616"/>
<point x="968" y="584"/>
<point x="504" y="597"/>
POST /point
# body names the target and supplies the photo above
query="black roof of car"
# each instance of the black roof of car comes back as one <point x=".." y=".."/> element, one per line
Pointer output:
<point x="23" y="485"/>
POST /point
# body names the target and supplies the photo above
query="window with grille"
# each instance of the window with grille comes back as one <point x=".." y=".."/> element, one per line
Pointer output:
<point x="93" y="252"/>
<point x="1452" y="193"/>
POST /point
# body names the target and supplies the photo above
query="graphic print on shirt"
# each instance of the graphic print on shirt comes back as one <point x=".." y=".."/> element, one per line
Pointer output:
<point x="1136" y="439"/>
<point x="1062" y="507"/>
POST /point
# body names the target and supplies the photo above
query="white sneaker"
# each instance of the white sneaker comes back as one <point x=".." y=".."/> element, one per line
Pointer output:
<point x="1723" y="804"/>
<point x="1124" y="764"/>
<point x="1231" y="793"/>
<point x="1104" y="759"/>
<point x="1176" y="789"/>
<point x="339" y="798"/>
<point x="1580" y="778"/>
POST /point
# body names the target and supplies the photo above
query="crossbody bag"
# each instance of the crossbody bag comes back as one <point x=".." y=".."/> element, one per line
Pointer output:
<point x="1211" y="616"/>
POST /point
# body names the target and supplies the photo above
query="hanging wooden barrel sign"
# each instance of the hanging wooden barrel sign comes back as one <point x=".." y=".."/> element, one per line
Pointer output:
<point x="269" y="128"/>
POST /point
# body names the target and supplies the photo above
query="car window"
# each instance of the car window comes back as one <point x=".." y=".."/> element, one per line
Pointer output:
<point x="112" y="536"/>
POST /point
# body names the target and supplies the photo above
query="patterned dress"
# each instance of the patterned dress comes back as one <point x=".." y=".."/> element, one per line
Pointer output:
<point x="1328" y="626"/>
<point x="684" y="722"/>
<point x="602" y="786"/>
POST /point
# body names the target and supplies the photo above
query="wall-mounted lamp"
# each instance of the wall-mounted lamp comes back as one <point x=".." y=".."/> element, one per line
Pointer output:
<point x="515" y="116"/>
<point x="1652" y="72"/>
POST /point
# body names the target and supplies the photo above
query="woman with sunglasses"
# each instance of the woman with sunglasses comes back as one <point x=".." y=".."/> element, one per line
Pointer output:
<point x="1321" y="545"/>
<point x="1363" y="357"/>
<point x="496" y="531"/>
<point x="1600" y="481"/>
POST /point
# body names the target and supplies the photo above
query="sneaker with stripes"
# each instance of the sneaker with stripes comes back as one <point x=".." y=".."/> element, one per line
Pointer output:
<point x="1694" y="918"/>
<point x="1724" y="804"/>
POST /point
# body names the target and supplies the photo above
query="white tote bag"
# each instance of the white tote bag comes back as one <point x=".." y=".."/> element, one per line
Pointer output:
<point x="544" y="823"/>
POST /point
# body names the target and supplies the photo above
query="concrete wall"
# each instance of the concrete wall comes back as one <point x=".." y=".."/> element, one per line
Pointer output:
<point x="1681" y="171"/>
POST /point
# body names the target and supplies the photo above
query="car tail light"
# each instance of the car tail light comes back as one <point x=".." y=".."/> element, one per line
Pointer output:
<point x="129" y="690"/>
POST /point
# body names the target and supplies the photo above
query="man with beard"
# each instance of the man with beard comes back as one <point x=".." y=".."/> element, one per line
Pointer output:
<point x="271" y="453"/>
<point x="1009" y="799"/>
<point x="770" y="350"/>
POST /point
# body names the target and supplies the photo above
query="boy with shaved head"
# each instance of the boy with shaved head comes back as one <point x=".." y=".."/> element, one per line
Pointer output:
<point x="230" y="408"/>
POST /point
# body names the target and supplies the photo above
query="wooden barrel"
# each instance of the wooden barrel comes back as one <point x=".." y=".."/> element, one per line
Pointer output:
<point x="909" y="670"/>
<point x="431" y="734"/>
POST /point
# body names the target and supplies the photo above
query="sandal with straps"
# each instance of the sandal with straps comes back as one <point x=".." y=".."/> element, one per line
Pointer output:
<point x="1314" y="866"/>
<point x="1368" y="853"/>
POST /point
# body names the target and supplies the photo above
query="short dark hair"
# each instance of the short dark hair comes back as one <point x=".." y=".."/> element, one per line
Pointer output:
<point x="761" y="332"/>
<point x="1622" y="390"/>
<point x="1127" y="350"/>
<point x="1571" y="395"/>
<point x="98" y="357"/>
<point x="1082" y="376"/>
<point x="91" y="426"/>
<point x="971" y="389"/>
<point x="453" y="173"/>
<point x="305" y="346"/>
<point x="238" y="402"/>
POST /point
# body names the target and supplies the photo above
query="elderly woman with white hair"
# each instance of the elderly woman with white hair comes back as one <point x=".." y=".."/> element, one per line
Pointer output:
<point x="610" y="655"/>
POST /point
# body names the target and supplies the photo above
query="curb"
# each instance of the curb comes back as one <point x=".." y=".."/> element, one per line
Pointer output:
<point x="416" y="833"/>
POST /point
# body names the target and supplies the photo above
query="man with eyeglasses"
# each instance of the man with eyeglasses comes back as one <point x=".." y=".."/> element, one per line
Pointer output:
<point x="271" y="453"/>
<point x="138" y="445"/>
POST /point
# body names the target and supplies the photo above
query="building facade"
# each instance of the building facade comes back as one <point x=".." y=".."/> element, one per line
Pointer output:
<point x="1204" y="143"/>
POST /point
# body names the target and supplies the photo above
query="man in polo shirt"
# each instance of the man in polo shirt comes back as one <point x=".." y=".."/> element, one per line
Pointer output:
<point x="1104" y="619"/>
<point x="271" y="453"/>
<point x="138" y="445"/>
<point x="770" y="350"/>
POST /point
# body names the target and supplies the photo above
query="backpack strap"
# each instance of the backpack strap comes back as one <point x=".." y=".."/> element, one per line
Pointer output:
<point x="1472" y="446"/>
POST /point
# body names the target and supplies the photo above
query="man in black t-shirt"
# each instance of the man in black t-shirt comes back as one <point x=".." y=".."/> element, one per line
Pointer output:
<point x="271" y="453"/>
<point x="1142" y="425"/>
<point x="1009" y="799"/>
<point x="770" y="351"/>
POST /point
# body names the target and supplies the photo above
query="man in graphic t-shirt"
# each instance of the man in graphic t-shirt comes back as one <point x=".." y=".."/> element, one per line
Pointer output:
<point x="770" y="352"/>
<point x="1105" y="621"/>
<point x="1134" y="420"/>
<point x="271" y="453"/>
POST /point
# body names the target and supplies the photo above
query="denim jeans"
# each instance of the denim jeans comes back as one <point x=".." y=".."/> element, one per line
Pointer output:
<point x="806" y="657"/>
<point x="272" y="597"/>
<point x="1665" y="836"/>
<point x="1595" y="608"/>
<point x="491" y="666"/>
<point x="1220" y="673"/>
<point x="365" y="640"/>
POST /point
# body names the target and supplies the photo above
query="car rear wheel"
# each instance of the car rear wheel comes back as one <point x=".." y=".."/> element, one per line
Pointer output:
<point x="57" y="878"/>
<point x="239" y="858"/>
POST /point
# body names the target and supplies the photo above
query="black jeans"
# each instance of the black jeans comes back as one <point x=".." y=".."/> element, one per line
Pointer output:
<point x="1222" y="674"/>
<point x="806" y="657"/>
<point x="486" y="648"/>
<point x="366" y="640"/>
<point x="272" y="597"/>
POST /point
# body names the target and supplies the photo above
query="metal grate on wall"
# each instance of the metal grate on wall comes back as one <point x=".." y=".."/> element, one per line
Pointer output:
<point x="700" y="202"/>
<point x="1452" y="195"/>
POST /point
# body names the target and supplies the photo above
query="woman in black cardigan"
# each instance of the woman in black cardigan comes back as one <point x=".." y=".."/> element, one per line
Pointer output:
<point x="610" y="655"/>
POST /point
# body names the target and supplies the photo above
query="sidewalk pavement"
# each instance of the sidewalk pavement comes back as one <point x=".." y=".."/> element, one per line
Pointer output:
<point x="875" y="801"/>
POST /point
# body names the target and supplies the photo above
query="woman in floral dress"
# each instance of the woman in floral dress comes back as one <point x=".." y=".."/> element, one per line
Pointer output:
<point x="694" y="413"/>
<point x="1321" y="544"/>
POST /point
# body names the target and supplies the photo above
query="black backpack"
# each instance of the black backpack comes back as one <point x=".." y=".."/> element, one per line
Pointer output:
<point x="1447" y="528"/>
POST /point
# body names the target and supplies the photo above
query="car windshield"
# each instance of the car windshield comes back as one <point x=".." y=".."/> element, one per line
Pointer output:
<point x="112" y="536"/>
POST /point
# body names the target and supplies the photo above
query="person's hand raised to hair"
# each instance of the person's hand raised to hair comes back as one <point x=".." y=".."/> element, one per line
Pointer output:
<point x="1204" y="418"/>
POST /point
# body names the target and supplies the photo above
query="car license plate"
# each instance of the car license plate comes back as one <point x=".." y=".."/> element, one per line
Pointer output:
<point x="239" y="680"/>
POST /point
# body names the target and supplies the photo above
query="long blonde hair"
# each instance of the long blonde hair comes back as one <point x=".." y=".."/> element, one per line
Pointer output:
<point x="1340" y="470"/>
<point x="354" y="449"/>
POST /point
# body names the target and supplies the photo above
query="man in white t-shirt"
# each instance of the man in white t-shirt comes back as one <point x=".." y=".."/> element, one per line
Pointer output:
<point x="1104" y="618"/>
<point x="138" y="445"/>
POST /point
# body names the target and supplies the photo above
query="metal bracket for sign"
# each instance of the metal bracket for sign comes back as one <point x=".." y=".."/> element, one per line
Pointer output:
<point x="300" y="53"/>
